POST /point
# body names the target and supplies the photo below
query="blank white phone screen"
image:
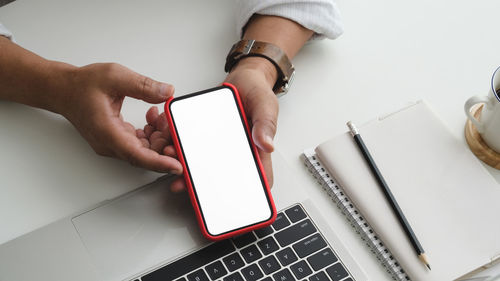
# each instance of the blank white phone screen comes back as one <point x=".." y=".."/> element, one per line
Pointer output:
<point x="223" y="171"/>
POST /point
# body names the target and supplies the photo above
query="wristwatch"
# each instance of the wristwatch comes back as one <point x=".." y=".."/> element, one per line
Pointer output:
<point x="271" y="52"/>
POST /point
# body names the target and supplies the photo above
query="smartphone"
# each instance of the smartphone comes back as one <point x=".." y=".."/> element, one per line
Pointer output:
<point x="224" y="175"/>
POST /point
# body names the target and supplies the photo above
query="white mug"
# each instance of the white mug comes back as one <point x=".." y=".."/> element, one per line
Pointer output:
<point x="488" y="124"/>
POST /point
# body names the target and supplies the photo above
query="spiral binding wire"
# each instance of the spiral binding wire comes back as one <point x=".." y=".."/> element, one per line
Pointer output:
<point x="354" y="217"/>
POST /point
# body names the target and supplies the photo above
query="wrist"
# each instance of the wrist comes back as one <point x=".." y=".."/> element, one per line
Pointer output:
<point x="260" y="64"/>
<point x="60" y="85"/>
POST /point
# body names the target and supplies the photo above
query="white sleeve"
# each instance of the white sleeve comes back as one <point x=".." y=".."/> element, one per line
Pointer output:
<point x="5" y="32"/>
<point x="320" y="16"/>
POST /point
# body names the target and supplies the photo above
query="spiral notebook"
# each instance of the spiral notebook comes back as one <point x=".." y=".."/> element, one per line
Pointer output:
<point x="448" y="197"/>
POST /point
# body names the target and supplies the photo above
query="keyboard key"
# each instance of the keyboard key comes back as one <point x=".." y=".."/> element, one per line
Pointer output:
<point x="180" y="279"/>
<point x="244" y="240"/>
<point x="216" y="270"/>
<point x="268" y="245"/>
<point x="320" y="276"/>
<point x="251" y="253"/>
<point x="322" y="258"/>
<point x="269" y="265"/>
<point x="191" y="262"/>
<point x="267" y="279"/>
<point x="295" y="213"/>
<point x="336" y="272"/>
<point x="283" y="275"/>
<point x="263" y="232"/>
<point x="234" y="277"/>
<point x="198" y="275"/>
<point x="348" y="279"/>
<point x="309" y="245"/>
<point x="300" y="269"/>
<point x="233" y="262"/>
<point x="295" y="233"/>
<point x="252" y="272"/>
<point x="286" y="256"/>
<point x="280" y="222"/>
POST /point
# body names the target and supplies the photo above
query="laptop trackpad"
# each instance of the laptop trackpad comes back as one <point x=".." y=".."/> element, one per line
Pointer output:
<point x="139" y="230"/>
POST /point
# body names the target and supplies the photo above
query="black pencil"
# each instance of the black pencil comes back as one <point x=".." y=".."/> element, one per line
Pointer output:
<point x="388" y="194"/>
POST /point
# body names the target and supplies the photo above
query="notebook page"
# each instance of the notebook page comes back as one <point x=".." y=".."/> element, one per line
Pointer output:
<point x="450" y="200"/>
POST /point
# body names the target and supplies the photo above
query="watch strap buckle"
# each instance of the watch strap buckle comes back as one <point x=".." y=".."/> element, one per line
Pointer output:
<point x="248" y="47"/>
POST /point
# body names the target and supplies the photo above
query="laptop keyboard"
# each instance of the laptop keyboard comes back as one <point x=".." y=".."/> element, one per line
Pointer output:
<point x="291" y="249"/>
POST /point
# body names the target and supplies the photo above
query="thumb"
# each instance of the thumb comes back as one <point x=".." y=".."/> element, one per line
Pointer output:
<point x="135" y="85"/>
<point x="263" y="111"/>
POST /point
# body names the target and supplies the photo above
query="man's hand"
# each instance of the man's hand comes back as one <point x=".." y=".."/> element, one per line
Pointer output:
<point x="157" y="135"/>
<point x="91" y="98"/>
<point x="93" y="106"/>
<point x="254" y="78"/>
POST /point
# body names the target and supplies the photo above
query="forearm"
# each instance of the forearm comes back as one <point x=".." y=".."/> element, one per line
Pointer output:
<point x="284" y="33"/>
<point x="30" y="79"/>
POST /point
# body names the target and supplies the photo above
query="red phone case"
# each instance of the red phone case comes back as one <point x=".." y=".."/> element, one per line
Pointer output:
<point x="189" y="184"/>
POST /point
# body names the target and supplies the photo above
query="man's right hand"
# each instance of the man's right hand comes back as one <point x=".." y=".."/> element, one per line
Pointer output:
<point x="92" y="103"/>
<point x="90" y="97"/>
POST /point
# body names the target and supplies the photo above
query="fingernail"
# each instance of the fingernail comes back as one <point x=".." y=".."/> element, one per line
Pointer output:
<point x="269" y="140"/>
<point x="165" y="90"/>
<point x="175" y="172"/>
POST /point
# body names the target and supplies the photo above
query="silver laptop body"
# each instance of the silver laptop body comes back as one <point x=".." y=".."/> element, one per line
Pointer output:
<point x="136" y="233"/>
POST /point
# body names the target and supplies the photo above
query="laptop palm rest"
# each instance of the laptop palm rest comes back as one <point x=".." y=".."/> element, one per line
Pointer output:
<point x="138" y="230"/>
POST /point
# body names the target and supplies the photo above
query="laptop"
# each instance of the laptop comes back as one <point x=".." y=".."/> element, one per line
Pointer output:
<point x="151" y="234"/>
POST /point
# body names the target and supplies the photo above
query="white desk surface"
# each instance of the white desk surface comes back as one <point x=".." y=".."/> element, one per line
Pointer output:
<point x="392" y="52"/>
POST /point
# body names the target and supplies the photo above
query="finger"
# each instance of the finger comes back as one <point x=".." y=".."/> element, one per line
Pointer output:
<point x="148" y="130"/>
<point x="162" y="126"/>
<point x="262" y="107"/>
<point x="135" y="85"/>
<point x="152" y="116"/>
<point x="140" y="134"/>
<point x="265" y="158"/>
<point x="161" y="122"/>
<point x="151" y="160"/>
<point x="131" y="149"/>
<point x="178" y="185"/>
<point x="145" y="143"/>
<point x="158" y="145"/>
<point x="169" y="150"/>
<point x="155" y="135"/>
<point x="157" y="142"/>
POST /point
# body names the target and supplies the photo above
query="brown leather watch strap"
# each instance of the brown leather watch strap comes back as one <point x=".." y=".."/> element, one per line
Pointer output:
<point x="247" y="48"/>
